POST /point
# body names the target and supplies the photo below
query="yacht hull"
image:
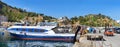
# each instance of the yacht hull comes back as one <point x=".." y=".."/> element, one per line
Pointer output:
<point x="43" y="37"/>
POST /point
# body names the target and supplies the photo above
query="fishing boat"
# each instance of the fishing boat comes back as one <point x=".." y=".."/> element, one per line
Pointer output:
<point x="39" y="33"/>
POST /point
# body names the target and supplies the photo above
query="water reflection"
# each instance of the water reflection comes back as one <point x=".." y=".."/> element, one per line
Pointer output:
<point x="23" y="43"/>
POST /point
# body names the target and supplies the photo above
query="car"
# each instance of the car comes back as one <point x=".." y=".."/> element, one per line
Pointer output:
<point x="117" y="30"/>
<point x="109" y="32"/>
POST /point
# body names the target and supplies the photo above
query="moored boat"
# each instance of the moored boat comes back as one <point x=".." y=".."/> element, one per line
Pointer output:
<point x="39" y="33"/>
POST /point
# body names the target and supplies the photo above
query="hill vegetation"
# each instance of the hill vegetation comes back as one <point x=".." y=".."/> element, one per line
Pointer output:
<point x="16" y="14"/>
<point x="94" y="20"/>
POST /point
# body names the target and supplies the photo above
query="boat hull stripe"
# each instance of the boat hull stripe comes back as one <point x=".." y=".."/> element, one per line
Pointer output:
<point x="52" y="38"/>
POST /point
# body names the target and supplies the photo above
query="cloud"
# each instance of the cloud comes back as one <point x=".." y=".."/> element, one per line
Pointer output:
<point x="27" y="9"/>
<point x="118" y="21"/>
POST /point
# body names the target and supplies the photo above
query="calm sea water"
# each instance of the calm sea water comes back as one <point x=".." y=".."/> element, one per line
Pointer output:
<point x="7" y="41"/>
<point x="23" y="43"/>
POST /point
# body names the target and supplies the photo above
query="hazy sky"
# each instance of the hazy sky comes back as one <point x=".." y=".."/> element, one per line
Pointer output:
<point x="69" y="8"/>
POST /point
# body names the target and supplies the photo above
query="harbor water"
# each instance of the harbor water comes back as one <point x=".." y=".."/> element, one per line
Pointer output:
<point x="7" y="41"/>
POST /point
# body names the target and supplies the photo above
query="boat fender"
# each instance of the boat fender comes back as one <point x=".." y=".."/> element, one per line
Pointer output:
<point x="2" y="33"/>
<point x="23" y="33"/>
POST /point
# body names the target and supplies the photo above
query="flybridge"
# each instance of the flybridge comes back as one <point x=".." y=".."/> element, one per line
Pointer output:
<point x="38" y="24"/>
<point x="28" y="29"/>
<point x="47" y="24"/>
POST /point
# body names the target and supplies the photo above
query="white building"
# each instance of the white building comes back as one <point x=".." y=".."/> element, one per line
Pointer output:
<point x="118" y="21"/>
<point x="3" y="19"/>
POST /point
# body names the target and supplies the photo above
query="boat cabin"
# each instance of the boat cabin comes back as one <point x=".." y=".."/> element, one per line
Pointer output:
<point x="28" y="30"/>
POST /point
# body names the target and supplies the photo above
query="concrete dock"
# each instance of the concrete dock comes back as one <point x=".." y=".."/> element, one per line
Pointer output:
<point x="109" y="41"/>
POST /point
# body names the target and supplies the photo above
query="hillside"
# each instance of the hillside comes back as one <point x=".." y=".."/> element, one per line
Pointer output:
<point x="94" y="20"/>
<point x="16" y="14"/>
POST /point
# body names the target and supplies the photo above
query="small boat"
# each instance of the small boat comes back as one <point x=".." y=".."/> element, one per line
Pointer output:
<point x="39" y="33"/>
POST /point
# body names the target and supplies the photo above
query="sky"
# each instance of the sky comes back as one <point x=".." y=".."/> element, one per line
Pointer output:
<point x="69" y="8"/>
